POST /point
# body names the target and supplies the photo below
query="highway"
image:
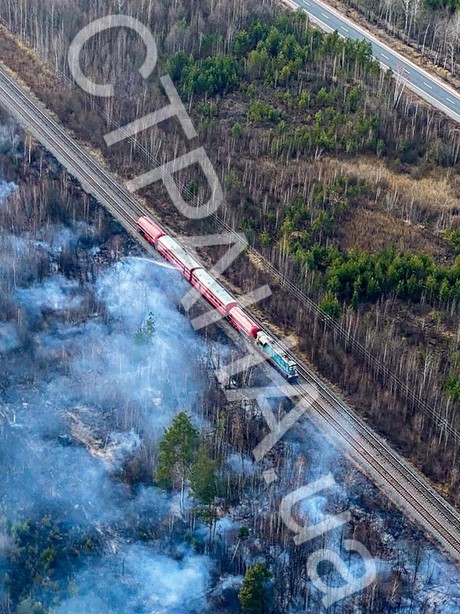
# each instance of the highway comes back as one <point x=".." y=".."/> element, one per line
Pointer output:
<point x="432" y="89"/>
<point x="396" y="477"/>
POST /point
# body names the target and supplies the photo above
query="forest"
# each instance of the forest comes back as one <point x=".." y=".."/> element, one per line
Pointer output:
<point x="343" y="182"/>
<point x="127" y="490"/>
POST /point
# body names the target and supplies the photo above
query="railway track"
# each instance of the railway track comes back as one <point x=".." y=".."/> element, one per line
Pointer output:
<point x="389" y="377"/>
<point x="395" y="476"/>
<point x="386" y="468"/>
<point x="378" y="460"/>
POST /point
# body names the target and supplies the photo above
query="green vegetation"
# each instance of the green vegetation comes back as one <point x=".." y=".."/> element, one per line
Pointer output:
<point x="358" y="276"/>
<point x="259" y="112"/>
<point x="29" y="606"/>
<point x="452" y="388"/>
<point x="453" y="237"/>
<point x="300" y="109"/>
<point x="43" y="551"/>
<point x="212" y="75"/>
<point x="145" y="333"/>
<point x="203" y="476"/>
<point x="177" y="452"/>
<point x="306" y="224"/>
<point x="253" y="594"/>
<point x="275" y="54"/>
<point x="237" y="130"/>
<point x="330" y="305"/>
<point x="310" y="228"/>
<point x="182" y="459"/>
<point x="207" y="110"/>
<point x="452" y="5"/>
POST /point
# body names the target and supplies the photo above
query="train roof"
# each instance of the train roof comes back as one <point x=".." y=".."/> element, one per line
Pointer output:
<point x="211" y="284"/>
<point x="243" y="321"/>
<point x="179" y="252"/>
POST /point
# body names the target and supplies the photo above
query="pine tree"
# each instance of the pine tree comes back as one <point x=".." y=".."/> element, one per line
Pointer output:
<point x="177" y="454"/>
<point x="253" y="594"/>
<point x="330" y="304"/>
<point x="146" y="332"/>
<point x="29" y="606"/>
<point x="203" y="477"/>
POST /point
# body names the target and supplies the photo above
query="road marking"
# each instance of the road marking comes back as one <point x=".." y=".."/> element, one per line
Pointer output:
<point x="397" y="56"/>
<point x="450" y="100"/>
<point x="385" y="56"/>
<point x="344" y="28"/>
<point x="324" y="15"/>
<point x="428" y="85"/>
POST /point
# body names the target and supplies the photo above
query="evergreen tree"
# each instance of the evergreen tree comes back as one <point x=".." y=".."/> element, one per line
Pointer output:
<point x="453" y="237"/>
<point x="203" y="476"/>
<point x="29" y="606"/>
<point x="146" y="332"/>
<point x="330" y="305"/>
<point x="253" y="594"/>
<point x="177" y="454"/>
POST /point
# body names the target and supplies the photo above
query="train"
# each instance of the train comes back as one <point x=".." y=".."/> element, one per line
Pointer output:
<point x="215" y="294"/>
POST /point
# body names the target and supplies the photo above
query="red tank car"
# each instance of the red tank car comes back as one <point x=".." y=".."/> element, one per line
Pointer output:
<point x="243" y="323"/>
<point x="213" y="292"/>
<point x="149" y="230"/>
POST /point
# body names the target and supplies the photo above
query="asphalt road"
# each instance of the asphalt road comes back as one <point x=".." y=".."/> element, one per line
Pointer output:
<point x="432" y="89"/>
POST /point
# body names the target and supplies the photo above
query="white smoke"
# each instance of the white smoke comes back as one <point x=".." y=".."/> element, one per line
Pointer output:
<point x="84" y="395"/>
<point x="6" y="189"/>
<point x="137" y="579"/>
<point x="8" y="337"/>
